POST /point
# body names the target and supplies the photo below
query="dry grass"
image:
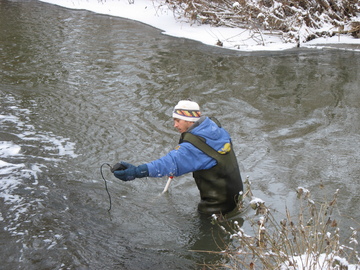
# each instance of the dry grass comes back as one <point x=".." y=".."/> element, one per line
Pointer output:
<point x="294" y="19"/>
<point x="310" y="240"/>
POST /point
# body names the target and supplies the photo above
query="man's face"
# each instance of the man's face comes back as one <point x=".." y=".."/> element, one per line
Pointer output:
<point x="182" y="125"/>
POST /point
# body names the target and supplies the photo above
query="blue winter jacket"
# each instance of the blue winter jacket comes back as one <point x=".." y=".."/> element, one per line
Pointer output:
<point x="186" y="157"/>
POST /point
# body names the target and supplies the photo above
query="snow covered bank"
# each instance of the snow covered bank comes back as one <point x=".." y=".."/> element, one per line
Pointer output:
<point x="158" y="15"/>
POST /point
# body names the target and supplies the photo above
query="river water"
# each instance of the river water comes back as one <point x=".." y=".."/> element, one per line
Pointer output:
<point x="80" y="89"/>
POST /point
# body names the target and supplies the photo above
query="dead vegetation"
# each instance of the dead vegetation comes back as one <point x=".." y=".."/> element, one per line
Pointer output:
<point x="295" y="20"/>
<point x="310" y="239"/>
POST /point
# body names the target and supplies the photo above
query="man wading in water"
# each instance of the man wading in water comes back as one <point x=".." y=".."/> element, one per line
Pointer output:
<point x="205" y="149"/>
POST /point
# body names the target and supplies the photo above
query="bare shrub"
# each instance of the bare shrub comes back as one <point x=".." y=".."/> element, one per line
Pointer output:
<point x="289" y="17"/>
<point x="309" y="240"/>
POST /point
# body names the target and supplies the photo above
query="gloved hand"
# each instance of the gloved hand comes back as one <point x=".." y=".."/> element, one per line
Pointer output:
<point x="131" y="172"/>
<point x="118" y="167"/>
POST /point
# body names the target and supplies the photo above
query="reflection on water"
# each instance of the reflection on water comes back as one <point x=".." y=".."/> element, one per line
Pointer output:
<point x="79" y="89"/>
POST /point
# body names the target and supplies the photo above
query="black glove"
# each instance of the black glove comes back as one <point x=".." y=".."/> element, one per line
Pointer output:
<point x="118" y="167"/>
<point x="131" y="172"/>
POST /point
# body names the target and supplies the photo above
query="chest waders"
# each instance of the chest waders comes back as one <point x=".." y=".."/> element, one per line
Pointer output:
<point x="219" y="186"/>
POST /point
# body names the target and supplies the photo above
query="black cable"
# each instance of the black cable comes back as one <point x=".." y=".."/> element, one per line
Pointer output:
<point x="106" y="182"/>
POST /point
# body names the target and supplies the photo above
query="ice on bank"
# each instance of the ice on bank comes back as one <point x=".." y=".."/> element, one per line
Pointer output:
<point x="159" y="15"/>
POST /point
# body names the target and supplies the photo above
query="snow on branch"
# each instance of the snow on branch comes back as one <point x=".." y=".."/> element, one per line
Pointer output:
<point x="297" y="20"/>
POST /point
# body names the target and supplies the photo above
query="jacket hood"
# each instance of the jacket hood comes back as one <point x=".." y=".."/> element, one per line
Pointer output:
<point x="208" y="129"/>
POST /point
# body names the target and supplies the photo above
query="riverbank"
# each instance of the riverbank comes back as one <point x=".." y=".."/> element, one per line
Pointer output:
<point x="158" y="15"/>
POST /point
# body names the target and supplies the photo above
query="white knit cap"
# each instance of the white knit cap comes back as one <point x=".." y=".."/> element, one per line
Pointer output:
<point x="187" y="110"/>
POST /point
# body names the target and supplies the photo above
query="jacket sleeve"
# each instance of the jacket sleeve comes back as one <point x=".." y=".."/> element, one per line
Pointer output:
<point x="184" y="159"/>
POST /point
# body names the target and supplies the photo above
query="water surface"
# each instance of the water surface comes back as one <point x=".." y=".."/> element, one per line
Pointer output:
<point x="79" y="89"/>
